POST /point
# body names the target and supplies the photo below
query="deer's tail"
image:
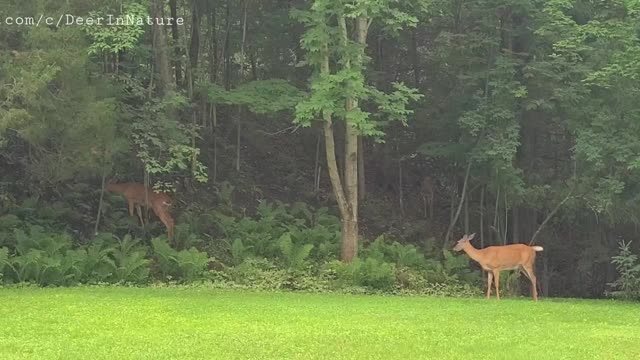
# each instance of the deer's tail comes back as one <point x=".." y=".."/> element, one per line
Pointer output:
<point x="537" y="248"/>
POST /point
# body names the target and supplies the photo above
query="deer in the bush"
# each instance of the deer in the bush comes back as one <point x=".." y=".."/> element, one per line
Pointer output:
<point x="136" y="196"/>
<point x="494" y="259"/>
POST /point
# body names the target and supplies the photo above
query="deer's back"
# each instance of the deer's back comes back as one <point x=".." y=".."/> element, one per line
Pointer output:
<point x="136" y="193"/>
<point x="508" y="256"/>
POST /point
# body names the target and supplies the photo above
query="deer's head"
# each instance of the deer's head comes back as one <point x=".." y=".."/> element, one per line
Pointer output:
<point x="463" y="242"/>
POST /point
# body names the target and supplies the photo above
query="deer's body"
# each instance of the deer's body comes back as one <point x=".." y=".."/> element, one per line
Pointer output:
<point x="494" y="259"/>
<point x="137" y="196"/>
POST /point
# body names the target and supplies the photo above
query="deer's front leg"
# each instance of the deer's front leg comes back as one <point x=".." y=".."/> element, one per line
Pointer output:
<point x="489" y="283"/>
<point x="131" y="205"/>
<point x="139" y="211"/>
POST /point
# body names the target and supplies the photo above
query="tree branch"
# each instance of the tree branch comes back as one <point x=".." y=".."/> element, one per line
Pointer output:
<point x="553" y="212"/>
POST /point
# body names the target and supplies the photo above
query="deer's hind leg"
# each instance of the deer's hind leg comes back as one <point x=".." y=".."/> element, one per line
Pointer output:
<point x="528" y="270"/>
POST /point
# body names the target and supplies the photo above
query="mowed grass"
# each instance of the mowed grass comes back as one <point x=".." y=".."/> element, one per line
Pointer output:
<point x="187" y="323"/>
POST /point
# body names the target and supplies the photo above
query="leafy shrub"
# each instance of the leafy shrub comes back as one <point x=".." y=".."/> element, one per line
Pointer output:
<point x="410" y="281"/>
<point x="370" y="273"/>
<point x="239" y="252"/>
<point x="401" y="255"/>
<point x="259" y="274"/>
<point x="294" y="255"/>
<point x="4" y="258"/>
<point x="263" y="236"/>
<point x="627" y="286"/>
<point x="186" y="265"/>
<point x="131" y="265"/>
<point x="184" y="238"/>
<point x="99" y="265"/>
<point x="43" y="258"/>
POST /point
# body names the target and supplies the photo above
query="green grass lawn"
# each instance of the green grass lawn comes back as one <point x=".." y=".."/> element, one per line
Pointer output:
<point x="181" y="323"/>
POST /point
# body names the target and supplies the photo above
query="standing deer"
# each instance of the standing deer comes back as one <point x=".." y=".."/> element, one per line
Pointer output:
<point x="494" y="259"/>
<point x="136" y="196"/>
<point x="427" y="187"/>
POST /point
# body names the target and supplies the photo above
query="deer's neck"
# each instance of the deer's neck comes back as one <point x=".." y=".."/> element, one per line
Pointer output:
<point x="473" y="253"/>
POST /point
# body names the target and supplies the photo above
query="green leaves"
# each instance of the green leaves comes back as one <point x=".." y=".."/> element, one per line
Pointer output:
<point x="111" y="37"/>
<point x="185" y="265"/>
<point x="331" y="89"/>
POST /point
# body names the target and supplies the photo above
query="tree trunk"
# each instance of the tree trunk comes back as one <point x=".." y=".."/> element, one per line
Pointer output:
<point x="176" y="42"/>
<point x="226" y="56"/>
<point x="100" y="203"/>
<point x="213" y="77"/>
<point x="466" y="214"/>
<point x="316" y="167"/>
<point x="495" y="219"/>
<point x="349" y="239"/>
<point x="400" y="186"/>
<point x="415" y="59"/>
<point x="241" y="76"/>
<point x="164" y="83"/>
<point x="482" y="217"/>
<point x="194" y="45"/>
<point x="462" y="197"/>
<point x="361" y="178"/>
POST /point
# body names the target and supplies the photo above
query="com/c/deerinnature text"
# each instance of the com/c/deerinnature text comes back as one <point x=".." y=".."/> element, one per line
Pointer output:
<point x="108" y="20"/>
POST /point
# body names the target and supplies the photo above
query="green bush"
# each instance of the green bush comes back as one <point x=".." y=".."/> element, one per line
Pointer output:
<point x="294" y="255"/>
<point x="4" y="258"/>
<point x="184" y="265"/>
<point x="131" y="264"/>
<point x="282" y="247"/>
<point x="369" y="273"/>
<point x="627" y="286"/>
<point x="259" y="274"/>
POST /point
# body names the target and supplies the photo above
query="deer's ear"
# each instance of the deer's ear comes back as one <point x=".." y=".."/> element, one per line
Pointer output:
<point x="471" y="236"/>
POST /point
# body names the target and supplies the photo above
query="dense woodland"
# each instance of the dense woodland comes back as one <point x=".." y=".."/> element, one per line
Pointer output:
<point x="302" y="131"/>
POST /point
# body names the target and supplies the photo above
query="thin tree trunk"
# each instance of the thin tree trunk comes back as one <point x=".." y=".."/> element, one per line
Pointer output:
<point x="213" y="77"/>
<point x="400" y="186"/>
<point x="361" y="178"/>
<point x="160" y="50"/>
<point x="147" y="183"/>
<point x="495" y="217"/>
<point x="466" y="214"/>
<point x="462" y="197"/>
<point x="176" y="41"/>
<point x="515" y="225"/>
<point x="506" y="219"/>
<point x="214" y="118"/>
<point x="239" y="120"/>
<point x="415" y="59"/>
<point x="194" y="45"/>
<point x="100" y="203"/>
<point x="330" y="148"/>
<point x="452" y="201"/>
<point x="482" y="217"/>
<point x="553" y="212"/>
<point x="316" y="166"/>
<point x="226" y="56"/>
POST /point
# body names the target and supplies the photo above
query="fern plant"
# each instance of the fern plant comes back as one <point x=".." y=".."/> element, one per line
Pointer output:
<point x="294" y="255"/>
<point x="131" y="266"/>
<point x="185" y="265"/>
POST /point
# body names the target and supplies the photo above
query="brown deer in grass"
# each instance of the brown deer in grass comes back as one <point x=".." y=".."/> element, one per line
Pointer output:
<point x="494" y="259"/>
<point x="137" y="196"/>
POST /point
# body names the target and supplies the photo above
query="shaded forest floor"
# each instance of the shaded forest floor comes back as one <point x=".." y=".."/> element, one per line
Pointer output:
<point x="159" y="323"/>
